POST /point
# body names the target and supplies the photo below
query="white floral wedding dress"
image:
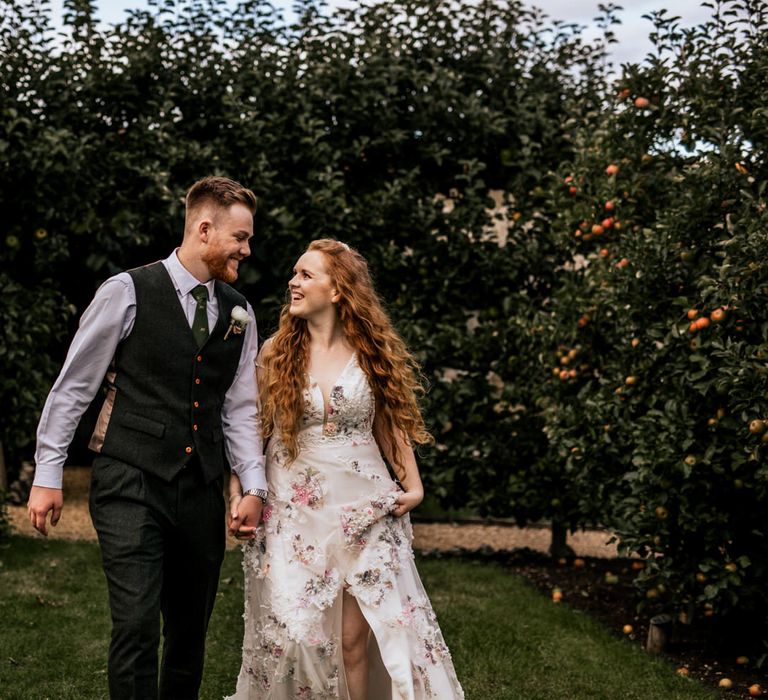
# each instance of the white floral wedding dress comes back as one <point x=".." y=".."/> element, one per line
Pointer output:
<point x="327" y="527"/>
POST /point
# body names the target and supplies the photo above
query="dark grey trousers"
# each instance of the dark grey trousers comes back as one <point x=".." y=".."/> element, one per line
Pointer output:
<point x="162" y="545"/>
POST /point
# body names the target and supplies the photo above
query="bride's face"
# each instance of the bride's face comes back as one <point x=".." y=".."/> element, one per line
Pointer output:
<point x="311" y="287"/>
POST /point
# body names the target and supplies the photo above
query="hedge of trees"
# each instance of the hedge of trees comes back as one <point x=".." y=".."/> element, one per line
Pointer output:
<point x="593" y="332"/>
<point x="351" y="125"/>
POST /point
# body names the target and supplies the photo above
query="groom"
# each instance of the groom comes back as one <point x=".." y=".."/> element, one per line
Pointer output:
<point x="180" y="402"/>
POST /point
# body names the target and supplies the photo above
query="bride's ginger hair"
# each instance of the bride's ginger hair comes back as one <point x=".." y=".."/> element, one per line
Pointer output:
<point x="392" y="371"/>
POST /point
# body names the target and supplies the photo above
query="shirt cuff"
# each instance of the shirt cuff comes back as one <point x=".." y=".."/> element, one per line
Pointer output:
<point x="252" y="474"/>
<point x="48" y="476"/>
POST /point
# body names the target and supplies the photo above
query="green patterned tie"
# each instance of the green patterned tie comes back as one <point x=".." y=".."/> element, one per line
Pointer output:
<point x="200" y="322"/>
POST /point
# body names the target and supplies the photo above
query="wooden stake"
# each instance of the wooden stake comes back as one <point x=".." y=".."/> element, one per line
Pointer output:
<point x="658" y="633"/>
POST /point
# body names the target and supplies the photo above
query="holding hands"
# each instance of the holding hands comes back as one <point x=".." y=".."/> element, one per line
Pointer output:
<point x="244" y="512"/>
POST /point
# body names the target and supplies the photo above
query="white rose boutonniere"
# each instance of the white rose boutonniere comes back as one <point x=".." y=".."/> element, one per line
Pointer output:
<point x="238" y="320"/>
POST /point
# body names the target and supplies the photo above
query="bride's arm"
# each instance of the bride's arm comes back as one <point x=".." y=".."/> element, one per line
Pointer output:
<point x="413" y="489"/>
<point x="235" y="491"/>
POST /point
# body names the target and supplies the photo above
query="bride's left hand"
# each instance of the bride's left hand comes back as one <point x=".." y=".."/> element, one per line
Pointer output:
<point x="407" y="501"/>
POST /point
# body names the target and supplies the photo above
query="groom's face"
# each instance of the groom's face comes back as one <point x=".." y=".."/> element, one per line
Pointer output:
<point x="227" y="241"/>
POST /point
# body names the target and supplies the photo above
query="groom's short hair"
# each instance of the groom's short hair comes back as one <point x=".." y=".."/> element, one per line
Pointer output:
<point x="221" y="192"/>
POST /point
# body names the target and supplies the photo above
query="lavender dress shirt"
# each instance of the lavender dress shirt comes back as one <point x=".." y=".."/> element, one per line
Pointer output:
<point x="108" y="320"/>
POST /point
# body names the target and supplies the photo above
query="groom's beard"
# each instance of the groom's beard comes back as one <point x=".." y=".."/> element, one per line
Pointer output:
<point x="219" y="265"/>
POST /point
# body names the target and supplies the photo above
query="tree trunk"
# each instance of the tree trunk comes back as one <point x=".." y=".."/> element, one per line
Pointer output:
<point x="3" y="472"/>
<point x="559" y="547"/>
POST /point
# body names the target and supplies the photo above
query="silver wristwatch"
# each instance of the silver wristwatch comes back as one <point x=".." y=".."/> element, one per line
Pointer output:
<point x="261" y="493"/>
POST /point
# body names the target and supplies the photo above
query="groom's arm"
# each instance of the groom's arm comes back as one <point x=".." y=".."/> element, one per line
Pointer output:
<point x="242" y="433"/>
<point x="240" y="417"/>
<point x="107" y="320"/>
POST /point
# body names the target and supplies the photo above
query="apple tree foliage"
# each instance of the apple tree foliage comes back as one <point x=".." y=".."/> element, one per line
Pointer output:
<point x="660" y="311"/>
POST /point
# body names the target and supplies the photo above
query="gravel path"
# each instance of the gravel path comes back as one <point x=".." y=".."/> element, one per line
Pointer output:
<point x="76" y="524"/>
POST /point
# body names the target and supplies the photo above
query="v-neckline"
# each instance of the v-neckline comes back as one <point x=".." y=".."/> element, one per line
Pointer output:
<point x="334" y="384"/>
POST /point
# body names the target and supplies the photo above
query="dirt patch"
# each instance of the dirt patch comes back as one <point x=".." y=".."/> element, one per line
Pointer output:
<point x="445" y="536"/>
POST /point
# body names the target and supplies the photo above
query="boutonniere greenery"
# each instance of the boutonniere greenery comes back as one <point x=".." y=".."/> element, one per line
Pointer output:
<point x="238" y="320"/>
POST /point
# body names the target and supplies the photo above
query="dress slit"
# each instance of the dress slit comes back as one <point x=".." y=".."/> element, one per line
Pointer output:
<point x="380" y="683"/>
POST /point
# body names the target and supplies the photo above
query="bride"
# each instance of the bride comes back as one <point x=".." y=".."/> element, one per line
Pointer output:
<point x="334" y="607"/>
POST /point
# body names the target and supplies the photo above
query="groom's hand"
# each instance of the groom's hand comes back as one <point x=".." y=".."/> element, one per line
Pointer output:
<point x="245" y="513"/>
<point x="42" y="501"/>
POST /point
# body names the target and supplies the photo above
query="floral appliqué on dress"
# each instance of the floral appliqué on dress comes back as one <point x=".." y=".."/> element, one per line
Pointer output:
<point x="308" y="488"/>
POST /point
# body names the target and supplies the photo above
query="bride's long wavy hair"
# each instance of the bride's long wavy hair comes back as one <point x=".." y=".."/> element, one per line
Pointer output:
<point x="392" y="372"/>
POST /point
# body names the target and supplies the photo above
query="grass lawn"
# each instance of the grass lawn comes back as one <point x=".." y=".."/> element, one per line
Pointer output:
<point x="507" y="640"/>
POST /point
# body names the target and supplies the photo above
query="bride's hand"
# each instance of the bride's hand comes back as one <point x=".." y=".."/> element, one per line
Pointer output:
<point x="236" y="521"/>
<point x="407" y="501"/>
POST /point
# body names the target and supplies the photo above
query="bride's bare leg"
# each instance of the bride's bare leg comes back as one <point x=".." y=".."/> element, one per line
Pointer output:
<point x="354" y="646"/>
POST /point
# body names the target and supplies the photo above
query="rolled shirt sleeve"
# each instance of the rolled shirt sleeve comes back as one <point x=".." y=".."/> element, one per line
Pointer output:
<point x="107" y="320"/>
<point x="240" y="417"/>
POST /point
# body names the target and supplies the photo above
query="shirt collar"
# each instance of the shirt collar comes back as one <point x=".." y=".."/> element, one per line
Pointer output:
<point x="183" y="279"/>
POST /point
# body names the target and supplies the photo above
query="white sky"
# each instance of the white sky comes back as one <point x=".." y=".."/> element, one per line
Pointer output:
<point x="632" y="33"/>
